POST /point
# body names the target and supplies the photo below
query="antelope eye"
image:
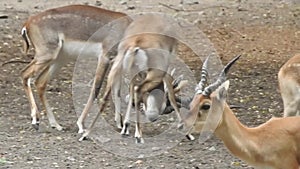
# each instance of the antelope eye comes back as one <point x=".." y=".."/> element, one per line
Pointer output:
<point x="205" y="107"/>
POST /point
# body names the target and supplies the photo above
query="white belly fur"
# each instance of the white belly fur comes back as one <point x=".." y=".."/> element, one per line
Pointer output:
<point x="72" y="49"/>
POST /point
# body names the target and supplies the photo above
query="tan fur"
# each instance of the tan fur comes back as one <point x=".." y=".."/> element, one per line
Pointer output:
<point x="289" y="84"/>
<point x="274" y="144"/>
<point x="56" y="34"/>
<point x="146" y="32"/>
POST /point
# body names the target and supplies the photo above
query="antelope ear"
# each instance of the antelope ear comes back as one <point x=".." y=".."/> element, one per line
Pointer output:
<point x="222" y="90"/>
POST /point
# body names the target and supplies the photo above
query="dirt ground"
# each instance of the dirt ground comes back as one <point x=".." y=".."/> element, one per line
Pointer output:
<point x="266" y="34"/>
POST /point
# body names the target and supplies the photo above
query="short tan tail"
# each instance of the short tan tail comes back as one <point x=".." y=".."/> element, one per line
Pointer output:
<point x="26" y="39"/>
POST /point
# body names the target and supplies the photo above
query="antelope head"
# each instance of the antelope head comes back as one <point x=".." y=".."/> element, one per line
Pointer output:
<point x="201" y="103"/>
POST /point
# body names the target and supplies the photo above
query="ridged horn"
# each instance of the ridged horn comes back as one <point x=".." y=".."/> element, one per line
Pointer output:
<point x="222" y="77"/>
<point x="203" y="80"/>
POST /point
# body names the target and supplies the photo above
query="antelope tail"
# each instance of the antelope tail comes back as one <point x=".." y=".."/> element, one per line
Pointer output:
<point x="26" y="39"/>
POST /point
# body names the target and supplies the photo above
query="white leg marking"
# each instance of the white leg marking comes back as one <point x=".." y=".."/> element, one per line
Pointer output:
<point x="117" y="102"/>
<point x="138" y="131"/>
<point x="125" y="129"/>
<point x="52" y="121"/>
<point x="138" y="135"/>
<point x="190" y="137"/>
<point x="34" y="109"/>
<point x="51" y="118"/>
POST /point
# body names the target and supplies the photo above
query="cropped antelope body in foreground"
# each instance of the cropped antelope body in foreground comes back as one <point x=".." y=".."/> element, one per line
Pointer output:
<point x="274" y="144"/>
<point x="145" y="54"/>
<point x="289" y="84"/>
<point x="59" y="35"/>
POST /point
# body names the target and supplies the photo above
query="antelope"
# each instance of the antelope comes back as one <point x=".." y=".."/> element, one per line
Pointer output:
<point x="289" y="84"/>
<point x="156" y="102"/>
<point x="58" y="36"/>
<point x="274" y="144"/>
<point x="145" y="53"/>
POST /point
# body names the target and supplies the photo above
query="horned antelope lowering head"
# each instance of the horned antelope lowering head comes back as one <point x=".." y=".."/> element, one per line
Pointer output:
<point x="274" y="144"/>
<point x="61" y="34"/>
<point x="289" y="84"/>
<point x="156" y="102"/>
<point x="145" y="53"/>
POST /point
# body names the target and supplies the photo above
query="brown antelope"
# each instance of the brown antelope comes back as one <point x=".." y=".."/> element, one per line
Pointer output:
<point x="145" y="53"/>
<point x="61" y="34"/>
<point x="156" y="101"/>
<point x="289" y="84"/>
<point x="274" y="144"/>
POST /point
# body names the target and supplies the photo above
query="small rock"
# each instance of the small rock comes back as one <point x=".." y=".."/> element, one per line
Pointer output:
<point x="271" y="110"/>
<point x="98" y="3"/>
<point x="141" y="156"/>
<point x="8" y="36"/>
<point x="3" y="16"/>
<point x="131" y="7"/>
<point x="103" y="139"/>
<point x="236" y="163"/>
<point x="192" y="160"/>
<point x="189" y="2"/>
<point x="138" y="162"/>
<point x="59" y="138"/>
<point x="171" y="119"/>
<point x="123" y="2"/>
<point x="36" y="158"/>
<point x="212" y="148"/>
<point x="156" y="148"/>
<point x="9" y="7"/>
<point x="71" y="158"/>
<point x="55" y="165"/>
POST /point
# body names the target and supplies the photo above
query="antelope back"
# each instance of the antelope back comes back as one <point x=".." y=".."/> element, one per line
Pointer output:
<point x="79" y="23"/>
<point x="291" y="70"/>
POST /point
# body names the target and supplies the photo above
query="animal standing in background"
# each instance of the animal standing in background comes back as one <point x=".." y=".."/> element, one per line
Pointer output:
<point x="272" y="145"/>
<point x="145" y="53"/>
<point x="289" y="84"/>
<point x="58" y="36"/>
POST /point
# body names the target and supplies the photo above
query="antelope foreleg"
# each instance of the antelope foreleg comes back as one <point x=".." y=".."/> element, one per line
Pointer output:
<point x="102" y="106"/>
<point x="102" y="69"/>
<point x="138" y="131"/>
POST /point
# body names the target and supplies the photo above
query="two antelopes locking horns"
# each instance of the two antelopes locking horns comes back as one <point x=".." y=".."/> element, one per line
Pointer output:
<point x="146" y="47"/>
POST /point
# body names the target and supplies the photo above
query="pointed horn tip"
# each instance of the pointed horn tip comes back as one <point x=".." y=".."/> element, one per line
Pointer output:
<point x="235" y="58"/>
<point x="206" y="61"/>
<point x="173" y="71"/>
<point x="180" y="76"/>
<point x="229" y="64"/>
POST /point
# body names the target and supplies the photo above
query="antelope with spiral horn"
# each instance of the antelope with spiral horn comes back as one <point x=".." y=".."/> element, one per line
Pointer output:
<point x="274" y="144"/>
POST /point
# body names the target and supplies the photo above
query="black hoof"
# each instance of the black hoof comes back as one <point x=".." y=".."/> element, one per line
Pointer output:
<point x="139" y="140"/>
<point x="36" y="126"/>
<point x="124" y="135"/>
<point x="83" y="139"/>
<point x="180" y="126"/>
<point x="190" y="137"/>
<point x="125" y="129"/>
